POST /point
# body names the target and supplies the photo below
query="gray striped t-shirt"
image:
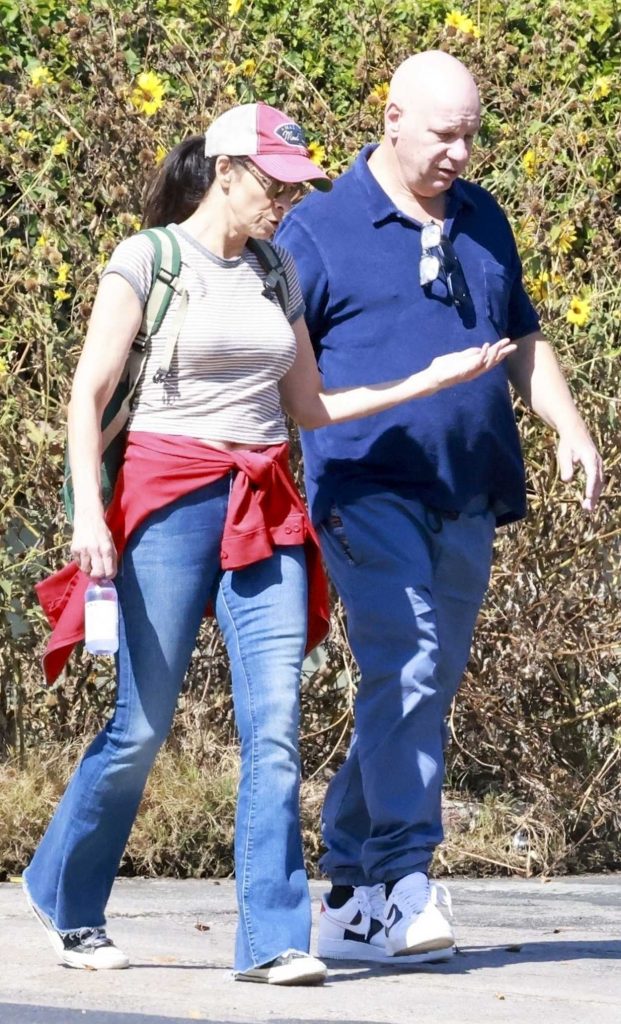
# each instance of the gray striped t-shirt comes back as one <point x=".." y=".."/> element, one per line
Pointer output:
<point x="234" y="346"/>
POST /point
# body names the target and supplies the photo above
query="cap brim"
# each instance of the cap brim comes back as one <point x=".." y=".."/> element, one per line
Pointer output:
<point x="292" y="168"/>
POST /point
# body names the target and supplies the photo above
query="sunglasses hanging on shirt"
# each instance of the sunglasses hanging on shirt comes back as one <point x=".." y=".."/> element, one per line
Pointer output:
<point x="439" y="261"/>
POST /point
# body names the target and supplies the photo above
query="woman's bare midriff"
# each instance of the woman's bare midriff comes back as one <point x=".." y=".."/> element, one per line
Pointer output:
<point x="233" y="446"/>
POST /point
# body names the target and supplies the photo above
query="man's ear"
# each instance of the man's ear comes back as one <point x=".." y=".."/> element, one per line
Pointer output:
<point x="392" y="120"/>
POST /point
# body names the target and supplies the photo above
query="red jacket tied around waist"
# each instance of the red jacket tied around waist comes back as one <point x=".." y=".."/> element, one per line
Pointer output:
<point x="265" y="511"/>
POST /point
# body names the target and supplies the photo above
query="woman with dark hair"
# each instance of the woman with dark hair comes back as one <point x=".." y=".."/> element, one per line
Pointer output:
<point x="206" y="513"/>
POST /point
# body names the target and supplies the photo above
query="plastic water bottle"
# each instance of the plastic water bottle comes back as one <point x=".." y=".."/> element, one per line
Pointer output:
<point x="101" y="617"/>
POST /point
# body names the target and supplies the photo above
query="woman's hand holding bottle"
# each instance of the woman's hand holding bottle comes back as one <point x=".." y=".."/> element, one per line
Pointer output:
<point x="92" y="547"/>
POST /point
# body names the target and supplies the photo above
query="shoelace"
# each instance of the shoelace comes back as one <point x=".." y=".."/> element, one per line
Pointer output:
<point x="377" y="899"/>
<point x="441" y="897"/>
<point x="288" y="955"/>
<point x="91" y="938"/>
<point x="371" y="900"/>
<point x="415" y="894"/>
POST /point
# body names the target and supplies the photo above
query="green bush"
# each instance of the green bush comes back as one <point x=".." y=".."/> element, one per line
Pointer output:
<point x="91" y="95"/>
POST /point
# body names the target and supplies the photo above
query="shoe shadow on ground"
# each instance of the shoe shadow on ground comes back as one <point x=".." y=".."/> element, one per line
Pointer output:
<point x="475" y="958"/>
<point x="21" y="1013"/>
<point x="466" y="960"/>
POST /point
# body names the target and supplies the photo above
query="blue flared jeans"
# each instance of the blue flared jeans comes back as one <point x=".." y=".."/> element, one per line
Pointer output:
<point x="169" y="572"/>
<point x="412" y="582"/>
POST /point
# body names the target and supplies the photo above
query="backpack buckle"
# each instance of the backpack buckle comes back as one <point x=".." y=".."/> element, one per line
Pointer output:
<point x="270" y="284"/>
<point x="167" y="277"/>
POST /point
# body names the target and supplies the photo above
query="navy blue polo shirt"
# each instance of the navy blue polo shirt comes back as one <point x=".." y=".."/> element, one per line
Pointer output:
<point x="371" y="321"/>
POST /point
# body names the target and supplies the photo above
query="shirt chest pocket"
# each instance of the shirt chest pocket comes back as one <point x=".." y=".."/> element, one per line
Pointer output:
<point x="497" y="293"/>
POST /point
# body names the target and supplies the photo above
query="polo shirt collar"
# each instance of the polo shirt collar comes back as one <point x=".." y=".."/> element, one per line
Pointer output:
<point x="381" y="206"/>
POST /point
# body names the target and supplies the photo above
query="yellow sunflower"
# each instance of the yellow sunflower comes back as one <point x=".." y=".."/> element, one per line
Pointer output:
<point x="148" y="93"/>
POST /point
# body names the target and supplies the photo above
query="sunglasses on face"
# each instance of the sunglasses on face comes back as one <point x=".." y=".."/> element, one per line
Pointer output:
<point x="439" y="260"/>
<point x="274" y="190"/>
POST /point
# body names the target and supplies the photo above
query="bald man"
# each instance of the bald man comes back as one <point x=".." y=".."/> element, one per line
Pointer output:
<point x="402" y="261"/>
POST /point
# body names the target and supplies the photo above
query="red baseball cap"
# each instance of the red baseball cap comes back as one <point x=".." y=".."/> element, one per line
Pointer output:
<point x="273" y="142"/>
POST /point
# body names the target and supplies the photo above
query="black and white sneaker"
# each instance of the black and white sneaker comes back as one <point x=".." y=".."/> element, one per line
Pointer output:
<point x="354" y="931"/>
<point x="359" y="930"/>
<point x="92" y="949"/>
<point x="86" y="948"/>
<point x="416" y="922"/>
<point x="293" y="967"/>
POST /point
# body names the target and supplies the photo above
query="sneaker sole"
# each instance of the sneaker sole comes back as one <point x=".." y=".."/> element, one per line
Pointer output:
<point x="312" y="978"/>
<point x="78" y="962"/>
<point x="433" y="946"/>
<point x="348" y="949"/>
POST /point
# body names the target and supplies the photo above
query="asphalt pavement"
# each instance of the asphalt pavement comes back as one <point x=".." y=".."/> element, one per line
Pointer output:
<point x="529" y="952"/>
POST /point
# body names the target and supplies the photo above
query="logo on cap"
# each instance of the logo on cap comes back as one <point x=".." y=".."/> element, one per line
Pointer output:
<point x="292" y="134"/>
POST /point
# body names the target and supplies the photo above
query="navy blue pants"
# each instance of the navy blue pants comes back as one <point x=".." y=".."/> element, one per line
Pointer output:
<point x="412" y="583"/>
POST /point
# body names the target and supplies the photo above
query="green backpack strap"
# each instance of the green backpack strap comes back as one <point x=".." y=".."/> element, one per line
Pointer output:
<point x="164" y="283"/>
<point x="276" y="278"/>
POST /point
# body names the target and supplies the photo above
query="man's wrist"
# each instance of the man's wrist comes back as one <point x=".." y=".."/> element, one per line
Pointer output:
<point x="570" y="423"/>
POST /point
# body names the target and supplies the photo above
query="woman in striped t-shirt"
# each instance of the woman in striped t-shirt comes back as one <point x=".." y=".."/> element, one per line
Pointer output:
<point x="205" y="513"/>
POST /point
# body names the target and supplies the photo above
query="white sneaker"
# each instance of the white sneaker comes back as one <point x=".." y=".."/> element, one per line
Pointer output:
<point x="293" y="967"/>
<point x="92" y="950"/>
<point x="414" y="923"/>
<point x="86" y="948"/>
<point x="355" y="930"/>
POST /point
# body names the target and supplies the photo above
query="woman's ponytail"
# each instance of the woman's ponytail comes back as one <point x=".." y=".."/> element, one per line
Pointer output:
<point x="178" y="186"/>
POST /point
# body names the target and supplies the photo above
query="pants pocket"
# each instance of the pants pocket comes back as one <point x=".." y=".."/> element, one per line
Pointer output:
<point x="336" y="528"/>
